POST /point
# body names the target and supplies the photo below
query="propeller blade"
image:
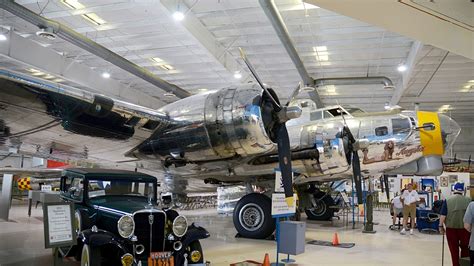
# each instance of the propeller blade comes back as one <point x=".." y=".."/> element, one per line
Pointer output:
<point x="387" y="187"/>
<point x="295" y="93"/>
<point x="284" y="156"/>
<point x="281" y="115"/>
<point x="357" y="176"/>
<point x="256" y="77"/>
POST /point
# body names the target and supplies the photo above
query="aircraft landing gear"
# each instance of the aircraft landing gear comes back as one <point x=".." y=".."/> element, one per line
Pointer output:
<point x="252" y="216"/>
<point x="321" y="211"/>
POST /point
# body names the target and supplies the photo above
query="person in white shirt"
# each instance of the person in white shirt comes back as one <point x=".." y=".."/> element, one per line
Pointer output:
<point x="397" y="207"/>
<point x="409" y="198"/>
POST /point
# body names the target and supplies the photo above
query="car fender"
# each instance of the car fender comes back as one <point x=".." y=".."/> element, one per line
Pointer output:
<point x="101" y="238"/>
<point x="194" y="233"/>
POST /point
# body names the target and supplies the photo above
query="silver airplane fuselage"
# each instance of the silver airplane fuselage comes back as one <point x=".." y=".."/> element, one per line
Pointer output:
<point x="388" y="142"/>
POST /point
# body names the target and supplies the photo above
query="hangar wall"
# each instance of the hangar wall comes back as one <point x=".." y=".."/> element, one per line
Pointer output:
<point x="464" y="145"/>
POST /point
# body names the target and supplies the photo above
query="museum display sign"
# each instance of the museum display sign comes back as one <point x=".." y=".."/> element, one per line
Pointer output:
<point x="58" y="224"/>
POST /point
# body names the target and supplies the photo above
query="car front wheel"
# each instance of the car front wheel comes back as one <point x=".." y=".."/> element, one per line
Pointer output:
<point x="90" y="256"/>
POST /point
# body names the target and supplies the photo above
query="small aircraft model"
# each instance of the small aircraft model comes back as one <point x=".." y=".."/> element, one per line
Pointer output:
<point x="233" y="135"/>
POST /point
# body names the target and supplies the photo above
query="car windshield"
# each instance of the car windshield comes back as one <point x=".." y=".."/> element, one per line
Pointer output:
<point x="99" y="188"/>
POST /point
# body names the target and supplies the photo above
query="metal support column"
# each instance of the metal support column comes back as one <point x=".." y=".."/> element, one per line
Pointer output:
<point x="6" y="197"/>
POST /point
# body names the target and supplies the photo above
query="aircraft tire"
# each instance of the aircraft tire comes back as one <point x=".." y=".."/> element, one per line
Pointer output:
<point x="252" y="216"/>
<point x="322" y="212"/>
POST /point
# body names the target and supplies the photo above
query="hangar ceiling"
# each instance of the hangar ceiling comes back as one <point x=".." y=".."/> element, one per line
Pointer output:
<point x="203" y="54"/>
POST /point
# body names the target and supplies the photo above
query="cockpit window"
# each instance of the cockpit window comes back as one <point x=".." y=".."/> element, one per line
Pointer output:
<point x="336" y="112"/>
<point x="327" y="114"/>
<point x="381" y="131"/>
<point x="354" y="110"/>
<point x="401" y="125"/>
<point x="316" y="115"/>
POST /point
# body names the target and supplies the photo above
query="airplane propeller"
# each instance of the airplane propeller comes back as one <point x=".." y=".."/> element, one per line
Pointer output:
<point x="281" y="114"/>
<point x="352" y="157"/>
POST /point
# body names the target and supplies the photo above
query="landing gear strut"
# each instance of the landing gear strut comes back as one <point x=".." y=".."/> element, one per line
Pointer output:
<point x="321" y="211"/>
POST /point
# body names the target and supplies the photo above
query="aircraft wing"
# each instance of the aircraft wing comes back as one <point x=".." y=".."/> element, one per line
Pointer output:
<point x="49" y="120"/>
<point x="456" y="160"/>
<point x="36" y="172"/>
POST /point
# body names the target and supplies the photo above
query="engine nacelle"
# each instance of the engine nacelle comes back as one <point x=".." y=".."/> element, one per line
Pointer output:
<point x="214" y="126"/>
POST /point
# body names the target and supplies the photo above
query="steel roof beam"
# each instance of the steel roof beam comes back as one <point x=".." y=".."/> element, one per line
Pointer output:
<point x="31" y="54"/>
<point x="278" y="24"/>
<point x="406" y="76"/>
<point x="87" y="44"/>
<point x="203" y="36"/>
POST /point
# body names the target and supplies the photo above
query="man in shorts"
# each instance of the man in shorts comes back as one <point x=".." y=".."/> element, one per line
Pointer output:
<point x="397" y="207"/>
<point x="409" y="198"/>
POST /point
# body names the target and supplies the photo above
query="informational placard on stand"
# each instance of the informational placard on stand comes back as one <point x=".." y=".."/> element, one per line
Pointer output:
<point x="58" y="224"/>
<point x="280" y="207"/>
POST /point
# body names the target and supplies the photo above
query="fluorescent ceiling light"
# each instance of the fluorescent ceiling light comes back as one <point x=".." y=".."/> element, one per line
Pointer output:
<point x="237" y="75"/>
<point x="106" y="75"/>
<point x="38" y="73"/>
<point x="331" y="89"/>
<point x="309" y="6"/>
<point x="73" y="4"/>
<point x="303" y="6"/>
<point x="167" y="67"/>
<point x="3" y="37"/>
<point x="471" y="81"/>
<point x="48" y="76"/>
<point x="445" y="108"/>
<point x="325" y="63"/>
<point x="467" y="88"/>
<point x="156" y="59"/>
<point x="168" y="94"/>
<point x="58" y="80"/>
<point x="32" y="70"/>
<point x="402" y="68"/>
<point x="178" y="16"/>
<point x="320" y="48"/>
<point x="322" y="57"/>
<point x="94" y="19"/>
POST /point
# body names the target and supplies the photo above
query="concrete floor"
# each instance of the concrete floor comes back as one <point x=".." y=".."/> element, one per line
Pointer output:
<point x="21" y="243"/>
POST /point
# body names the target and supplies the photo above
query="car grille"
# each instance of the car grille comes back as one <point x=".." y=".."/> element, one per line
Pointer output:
<point x="144" y="230"/>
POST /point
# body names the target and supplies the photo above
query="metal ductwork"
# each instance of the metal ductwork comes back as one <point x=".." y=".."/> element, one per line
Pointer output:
<point x="81" y="41"/>
<point x="354" y="81"/>
<point x="276" y="20"/>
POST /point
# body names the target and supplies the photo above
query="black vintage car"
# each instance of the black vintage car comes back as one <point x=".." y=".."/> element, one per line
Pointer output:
<point x="118" y="222"/>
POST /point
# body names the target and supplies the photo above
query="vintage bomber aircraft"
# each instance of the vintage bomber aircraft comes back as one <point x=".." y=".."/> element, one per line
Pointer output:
<point x="227" y="136"/>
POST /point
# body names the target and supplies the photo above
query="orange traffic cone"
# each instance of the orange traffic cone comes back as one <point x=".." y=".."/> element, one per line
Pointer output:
<point x="335" y="240"/>
<point x="266" y="260"/>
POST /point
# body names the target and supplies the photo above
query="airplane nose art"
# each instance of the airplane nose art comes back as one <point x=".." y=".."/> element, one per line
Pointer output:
<point x="431" y="137"/>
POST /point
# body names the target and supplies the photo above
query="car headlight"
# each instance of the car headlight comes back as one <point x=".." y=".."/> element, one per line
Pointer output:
<point x="77" y="222"/>
<point x="126" y="226"/>
<point x="180" y="226"/>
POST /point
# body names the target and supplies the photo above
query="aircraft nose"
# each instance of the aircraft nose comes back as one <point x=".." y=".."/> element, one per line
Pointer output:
<point x="450" y="130"/>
